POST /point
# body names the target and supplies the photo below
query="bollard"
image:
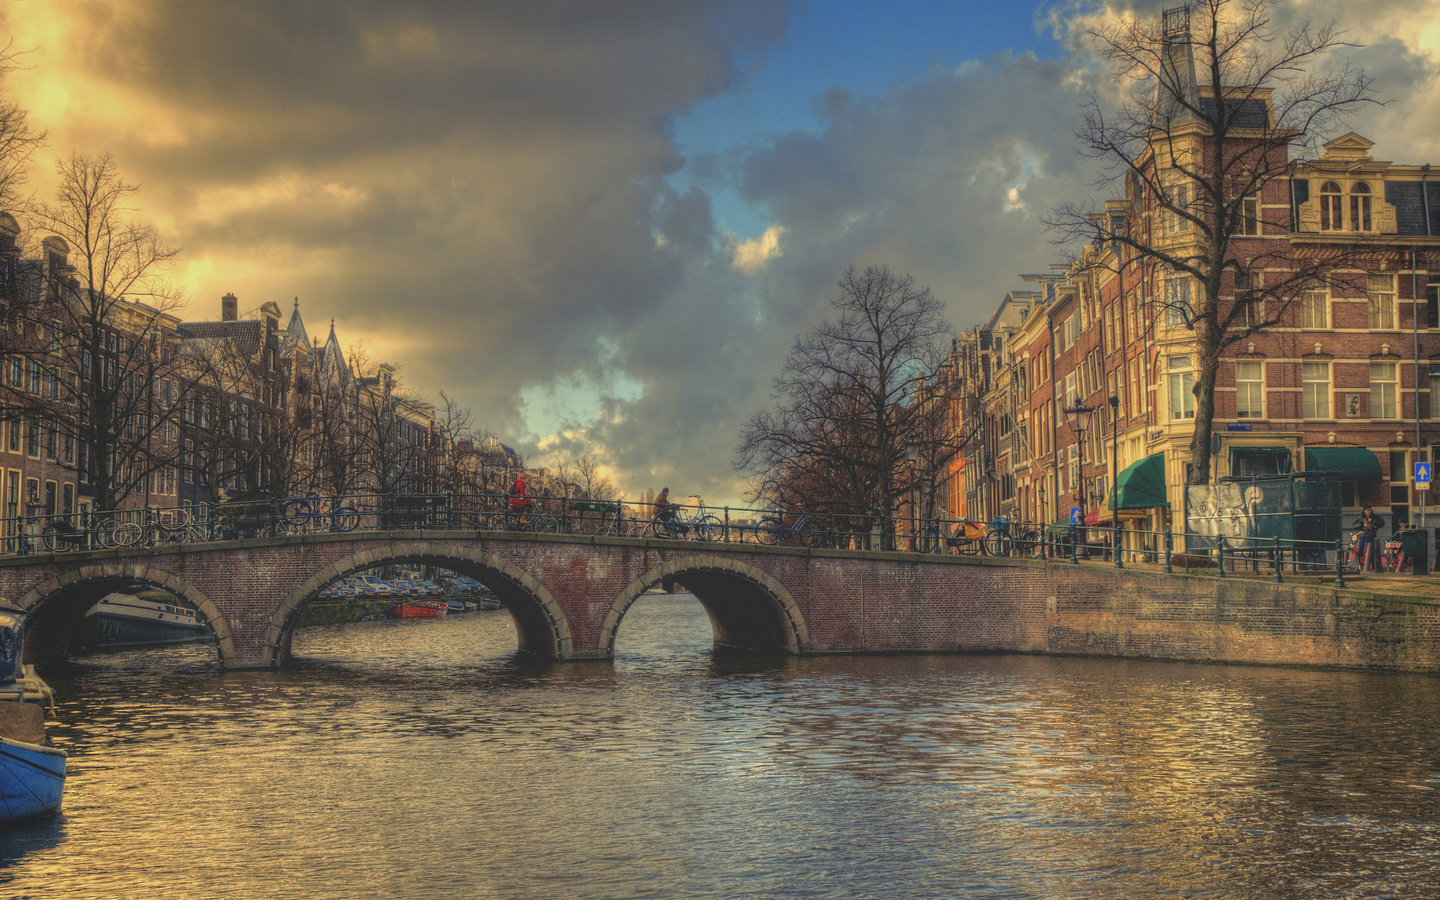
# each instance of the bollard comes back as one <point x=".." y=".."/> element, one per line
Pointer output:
<point x="1339" y="563"/>
<point x="1277" y="560"/>
<point x="1169" y="546"/>
<point x="1220" y="556"/>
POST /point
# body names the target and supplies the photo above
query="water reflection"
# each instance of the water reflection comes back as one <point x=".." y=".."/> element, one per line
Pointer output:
<point x="425" y="759"/>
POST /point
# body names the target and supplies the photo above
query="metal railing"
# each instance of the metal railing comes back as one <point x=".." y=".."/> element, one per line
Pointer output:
<point x="1000" y="538"/>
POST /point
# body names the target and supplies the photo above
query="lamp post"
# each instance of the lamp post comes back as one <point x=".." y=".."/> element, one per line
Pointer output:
<point x="1079" y="416"/>
<point x="912" y="455"/>
<point x="1115" y="480"/>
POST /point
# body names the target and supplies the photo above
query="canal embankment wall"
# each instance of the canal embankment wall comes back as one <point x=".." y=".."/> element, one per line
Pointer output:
<point x="1097" y="611"/>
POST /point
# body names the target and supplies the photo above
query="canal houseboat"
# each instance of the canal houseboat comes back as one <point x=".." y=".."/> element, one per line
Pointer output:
<point x="139" y="616"/>
<point x="32" y="773"/>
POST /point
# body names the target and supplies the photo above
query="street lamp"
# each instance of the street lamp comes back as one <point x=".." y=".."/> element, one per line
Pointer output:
<point x="1079" y="416"/>
<point x="912" y="455"/>
<point x="1115" y="480"/>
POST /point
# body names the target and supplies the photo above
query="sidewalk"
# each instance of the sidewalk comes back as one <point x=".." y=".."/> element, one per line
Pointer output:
<point x="1405" y="582"/>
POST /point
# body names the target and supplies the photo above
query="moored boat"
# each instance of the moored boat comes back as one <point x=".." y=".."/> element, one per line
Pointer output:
<point x="139" y="615"/>
<point x="32" y="773"/>
<point x="420" y="609"/>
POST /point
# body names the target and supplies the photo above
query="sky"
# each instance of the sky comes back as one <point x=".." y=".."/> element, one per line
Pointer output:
<point x="600" y="226"/>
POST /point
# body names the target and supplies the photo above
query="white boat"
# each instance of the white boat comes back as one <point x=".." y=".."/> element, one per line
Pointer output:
<point x="141" y="615"/>
<point x="32" y="773"/>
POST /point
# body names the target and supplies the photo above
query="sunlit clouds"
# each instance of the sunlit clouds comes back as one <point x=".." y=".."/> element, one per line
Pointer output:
<point x="492" y="195"/>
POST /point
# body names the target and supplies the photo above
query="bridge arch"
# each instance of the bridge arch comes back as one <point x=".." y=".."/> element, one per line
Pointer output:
<point x="542" y="625"/>
<point x="748" y="609"/>
<point x="57" y="604"/>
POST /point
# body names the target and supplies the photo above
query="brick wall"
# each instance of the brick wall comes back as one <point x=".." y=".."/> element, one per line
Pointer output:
<point x="569" y="596"/>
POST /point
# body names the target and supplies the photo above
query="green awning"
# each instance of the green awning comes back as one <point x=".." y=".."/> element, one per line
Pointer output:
<point x="1142" y="484"/>
<point x="1260" y="460"/>
<point x="1349" y="463"/>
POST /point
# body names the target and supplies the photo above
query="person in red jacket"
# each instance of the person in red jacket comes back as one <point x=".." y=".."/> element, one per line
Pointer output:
<point x="519" y="500"/>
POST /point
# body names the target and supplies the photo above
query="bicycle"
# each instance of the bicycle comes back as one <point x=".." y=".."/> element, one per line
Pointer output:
<point x="773" y="530"/>
<point x="61" y="535"/>
<point x="310" y="514"/>
<point x="1372" y="561"/>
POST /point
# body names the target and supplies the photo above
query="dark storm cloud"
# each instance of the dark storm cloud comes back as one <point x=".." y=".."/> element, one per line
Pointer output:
<point x="486" y="193"/>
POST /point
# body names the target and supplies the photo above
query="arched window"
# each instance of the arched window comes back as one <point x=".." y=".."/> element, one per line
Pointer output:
<point x="1360" y="207"/>
<point x="1330" y="208"/>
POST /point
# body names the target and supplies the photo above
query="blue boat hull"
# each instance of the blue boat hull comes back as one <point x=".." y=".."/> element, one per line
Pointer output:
<point x="32" y="780"/>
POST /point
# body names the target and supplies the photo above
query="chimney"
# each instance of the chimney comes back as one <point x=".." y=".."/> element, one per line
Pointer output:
<point x="229" y="308"/>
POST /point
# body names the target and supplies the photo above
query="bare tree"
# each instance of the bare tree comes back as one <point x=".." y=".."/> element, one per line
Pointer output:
<point x="1201" y="139"/>
<point x="846" y="400"/>
<point x="104" y="369"/>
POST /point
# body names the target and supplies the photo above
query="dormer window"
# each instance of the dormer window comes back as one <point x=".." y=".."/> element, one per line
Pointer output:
<point x="1330" y="207"/>
<point x="1360" y="207"/>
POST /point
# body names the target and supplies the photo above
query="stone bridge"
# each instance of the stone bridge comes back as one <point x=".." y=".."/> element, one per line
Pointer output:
<point x="568" y="594"/>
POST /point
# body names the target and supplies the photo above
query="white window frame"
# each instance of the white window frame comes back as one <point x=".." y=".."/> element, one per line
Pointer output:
<point x="1384" y="390"/>
<point x="1380" y="291"/>
<point x="1316" y="396"/>
<point x="1180" y="379"/>
<point x="1249" y="389"/>
<point x="1315" y="310"/>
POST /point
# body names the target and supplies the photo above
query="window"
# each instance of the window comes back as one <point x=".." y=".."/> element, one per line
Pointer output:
<point x="1434" y="391"/>
<point x="1182" y="388"/>
<point x="1432" y="306"/>
<point x="1181" y="197"/>
<point x="1071" y="395"/>
<point x="1381" y="291"/>
<point x="1315" y="310"/>
<point x="1177" y="300"/>
<point x="1249" y="223"/>
<point x="1315" y="390"/>
<point x="1360" y="207"/>
<point x="1330" y="207"/>
<point x="1384" y="390"/>
<point x="1249" y="390"/>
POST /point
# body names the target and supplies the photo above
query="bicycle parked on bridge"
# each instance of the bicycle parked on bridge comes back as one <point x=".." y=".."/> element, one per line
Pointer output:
<point x="803" y="530"/>
<point x="696" y="525"/>
<point x="308" y="515"/>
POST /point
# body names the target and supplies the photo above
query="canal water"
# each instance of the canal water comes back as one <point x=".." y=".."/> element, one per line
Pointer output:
<point x="420" y="760"/>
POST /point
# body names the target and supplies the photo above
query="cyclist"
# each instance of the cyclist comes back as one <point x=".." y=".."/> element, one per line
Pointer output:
<point x="1369" y="525"/>
<point x="519" y="500"/>
<point x="665" y="512"/>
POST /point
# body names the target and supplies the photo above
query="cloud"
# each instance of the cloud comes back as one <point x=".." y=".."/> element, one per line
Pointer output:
<point x="751" y="256"/>
<point x="483" y="192"/>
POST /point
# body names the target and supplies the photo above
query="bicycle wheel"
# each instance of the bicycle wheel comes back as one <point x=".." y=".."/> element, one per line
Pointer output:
<point x="296" y="513"/>
<point x="545" y="525"/>
<point x="344" y="519"/>
<point x="997" y="544"/>
<point x="53" y="539"/>
<point x="707" y="528"/>
<point x="123" y="534"/>
<point x="1027" y="544"/>
<point x="769" y="531"/>
<point x="658" y="529"/>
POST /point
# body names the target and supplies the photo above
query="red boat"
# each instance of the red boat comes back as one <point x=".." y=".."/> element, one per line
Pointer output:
<point x="420" y="609"/>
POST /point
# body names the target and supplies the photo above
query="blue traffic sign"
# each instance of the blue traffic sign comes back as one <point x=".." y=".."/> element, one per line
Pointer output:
<point x="1422" y="473"/>
<point x="1074" y="515"/>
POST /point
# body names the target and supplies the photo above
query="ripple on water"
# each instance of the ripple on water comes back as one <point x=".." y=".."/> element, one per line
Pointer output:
<point x="425" y="760"/>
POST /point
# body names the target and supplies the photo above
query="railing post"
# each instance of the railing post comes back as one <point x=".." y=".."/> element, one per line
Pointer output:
<point x="1220" y="555"/>
<point x="151" y="517"/>
<point x="1339" y="563"/>
<point x="1169" y="549"/>
<point x="1277" y="559"/>
<point x="726" y="532"/>
<point x="1117" y="540"/>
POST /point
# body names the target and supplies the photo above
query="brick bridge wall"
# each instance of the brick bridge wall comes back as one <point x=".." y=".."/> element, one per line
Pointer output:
<point x="569" y="594"/>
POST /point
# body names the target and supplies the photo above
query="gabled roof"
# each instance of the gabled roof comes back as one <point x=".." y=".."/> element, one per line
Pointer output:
<point x="295" y="335"/>
<point x="246" y="335"/>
